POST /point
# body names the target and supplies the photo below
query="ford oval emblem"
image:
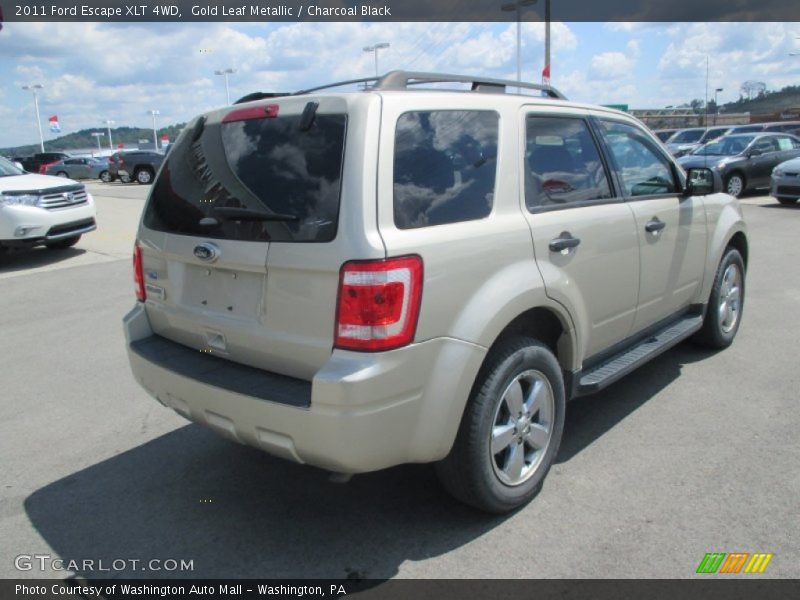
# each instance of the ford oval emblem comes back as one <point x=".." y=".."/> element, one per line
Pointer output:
<point x="207" y="252"/>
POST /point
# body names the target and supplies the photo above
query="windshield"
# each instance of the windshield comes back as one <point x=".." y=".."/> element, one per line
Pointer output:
<point x="712" y="134"/>
<point x="284" y="170"/>
<point x="727" y="146"/>
<point x="7" y="168"/>
<point x="687" y="136"/>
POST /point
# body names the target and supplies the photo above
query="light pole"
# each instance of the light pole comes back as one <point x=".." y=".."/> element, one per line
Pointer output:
<point x="109" y="123"/>
<point x="155" y="113"/>
<point x="546" y="71"/>
<point x="716" y="106"/>
<point x="517" y="7"/>
<point x="374" y="48"/>
<point x="226" y="72"/>
<point x="33" y="88"/>
<point x="97" y="135"/>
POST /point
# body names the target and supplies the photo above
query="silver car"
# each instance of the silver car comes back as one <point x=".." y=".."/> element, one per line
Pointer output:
<point x="785" y="182"/>
<point x="355" y="280"/>
<point x="80" y="168"/>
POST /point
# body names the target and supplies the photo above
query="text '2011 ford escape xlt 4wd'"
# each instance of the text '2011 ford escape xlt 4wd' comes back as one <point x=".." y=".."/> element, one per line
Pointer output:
<point x="358" y="280"/>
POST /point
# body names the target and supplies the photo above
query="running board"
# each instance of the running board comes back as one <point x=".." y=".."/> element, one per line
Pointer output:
<point x="621" y="364"/>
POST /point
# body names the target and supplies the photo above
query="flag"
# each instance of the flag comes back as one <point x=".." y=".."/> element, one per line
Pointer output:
<point x="54" y="126"/>
<point x="164" y="140"/>
<point x="546" y="75"/>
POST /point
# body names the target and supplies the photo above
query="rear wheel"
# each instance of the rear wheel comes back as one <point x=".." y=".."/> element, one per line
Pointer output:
<point x="63" y="244"/>
<point x="724" y="311"/>
<point x="735" y="184"/>
<point x="787" y="201"/>
<point x="61" y="174"/>
<point x="105" y="177"/>
<point x="510" y="431"/>
<point x="144" y="176"/>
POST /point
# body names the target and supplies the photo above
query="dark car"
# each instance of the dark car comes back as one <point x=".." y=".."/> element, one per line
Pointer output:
<point x="139" y="165"/>
<point x="664" y="134"/>
<point x="679" y="143"/>
<point x="744" y="161"/>
<point x="39" y="161"/>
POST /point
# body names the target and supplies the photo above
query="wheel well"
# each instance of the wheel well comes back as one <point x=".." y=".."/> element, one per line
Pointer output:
<point x="544" y="325"/>
<point x="138" y="168"/>
<point x="739" y="241"/>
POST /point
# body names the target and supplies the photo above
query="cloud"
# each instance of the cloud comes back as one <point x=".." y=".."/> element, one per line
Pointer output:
<point x="610" y="66"/>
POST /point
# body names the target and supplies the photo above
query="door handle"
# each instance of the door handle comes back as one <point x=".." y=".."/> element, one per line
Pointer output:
<point x="654" y="225"/>
<point x="564" y="242"/>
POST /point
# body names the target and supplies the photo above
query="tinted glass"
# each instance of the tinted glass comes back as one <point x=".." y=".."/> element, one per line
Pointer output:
<point x="266" y="166"/>
<point x="766" y="145"/>
<point x="8" y="169"/>
<point x="445" y="164"/>
<point x="563" y="163"/>
<point x="712" y="134"/>
<point x="730" y="145"/>
<point x="643" y="170"/>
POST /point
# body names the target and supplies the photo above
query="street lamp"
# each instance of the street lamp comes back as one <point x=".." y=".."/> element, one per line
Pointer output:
<point x="98" y="135"/>
<point x="226" y="72"/>
<point x="33" y="88"/>
<point x="375" y="48"/>
<point x="154" y="113"/>
<point x="109" y="123"/>
<point x="517" y="7"/>
<point x="716" y="106"/>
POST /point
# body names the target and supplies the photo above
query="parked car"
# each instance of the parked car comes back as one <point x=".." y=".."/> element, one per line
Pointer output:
<point x="664" y="134"/>
<point x="349" y="280"/>
<point x="781" y="126"/>
<point x="755" y="128"/>
<point x="785" y="181"/>
<point x="679" y="144"/>
<point x="40" y="210"/>
<point x="80" y="168"/>
<point x="39" y="161"/>
<point x="744" y="161"/>
<point x="138" y="165"/>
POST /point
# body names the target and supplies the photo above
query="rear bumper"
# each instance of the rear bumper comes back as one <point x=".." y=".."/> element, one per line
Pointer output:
<point x="366" y="411"/>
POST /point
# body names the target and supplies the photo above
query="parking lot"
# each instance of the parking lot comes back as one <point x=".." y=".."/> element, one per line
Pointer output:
<point x="696" y="452"/>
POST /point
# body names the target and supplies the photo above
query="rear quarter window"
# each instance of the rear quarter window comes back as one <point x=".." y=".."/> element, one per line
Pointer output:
<point x="445" y="166"/>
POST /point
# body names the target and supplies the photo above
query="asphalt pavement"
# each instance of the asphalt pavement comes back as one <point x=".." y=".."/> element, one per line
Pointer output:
<point x="695" y="452"/>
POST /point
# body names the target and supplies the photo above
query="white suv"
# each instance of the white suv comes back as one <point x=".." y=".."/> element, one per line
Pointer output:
<point x="40" y="210"/>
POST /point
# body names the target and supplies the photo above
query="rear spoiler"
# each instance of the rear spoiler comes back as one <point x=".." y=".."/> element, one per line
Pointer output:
<point x="260" y="96"/>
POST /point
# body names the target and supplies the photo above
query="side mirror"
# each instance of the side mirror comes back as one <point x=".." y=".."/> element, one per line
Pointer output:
<point x="701" y="182"/>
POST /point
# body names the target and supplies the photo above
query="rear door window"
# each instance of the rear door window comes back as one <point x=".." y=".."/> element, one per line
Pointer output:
<point x="563" y="165"/>
<point x="445" y="166"/>
<point x="253" y="179"/>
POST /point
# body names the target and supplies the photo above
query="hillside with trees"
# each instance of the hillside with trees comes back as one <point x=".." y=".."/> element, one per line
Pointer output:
<point x="83" y="139"/>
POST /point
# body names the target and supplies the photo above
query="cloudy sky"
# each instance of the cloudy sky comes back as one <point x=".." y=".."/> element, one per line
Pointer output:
<point x="93" y="71"/>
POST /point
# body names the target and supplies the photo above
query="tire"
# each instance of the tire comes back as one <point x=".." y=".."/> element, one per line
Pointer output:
<point x="125" y="178"/>
<point x="144" y="176"/>
<point x="105" y="177"/>
<point x="726" y="303"/>
<point x="62" y="174"/>
<point x="63" y="244"/>
<point x="788" y="201"/>
<point x="735" y="184"/>
<point x="488" y="480"/>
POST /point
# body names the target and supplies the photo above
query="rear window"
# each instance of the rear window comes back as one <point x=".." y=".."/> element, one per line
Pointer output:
<point x="283" y="179"/>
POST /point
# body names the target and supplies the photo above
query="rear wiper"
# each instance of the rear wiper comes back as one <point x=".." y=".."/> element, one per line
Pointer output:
<point x="230" y="213"/>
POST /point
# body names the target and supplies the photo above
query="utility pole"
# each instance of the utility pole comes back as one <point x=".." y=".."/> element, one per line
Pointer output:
<point x="374" y="48"/>
<point x="97" y="135"/>
<point x="155" y="136"/>
<point x="516" y="7"/>
<point x="109" y="123"/>
<point x="226" y="72"/>
<point x="34" y="88"/>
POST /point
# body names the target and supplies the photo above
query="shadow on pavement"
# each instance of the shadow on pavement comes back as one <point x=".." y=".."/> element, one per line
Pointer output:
<point x="20" y="260"/>
<point x="237" y="512"/>
<point x="589" y="417"/>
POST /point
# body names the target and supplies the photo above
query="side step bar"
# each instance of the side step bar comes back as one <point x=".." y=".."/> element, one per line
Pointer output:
<point x="626" y="361"/>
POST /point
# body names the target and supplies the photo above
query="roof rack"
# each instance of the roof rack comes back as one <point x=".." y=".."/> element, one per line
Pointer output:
<point x="402" y="80"/>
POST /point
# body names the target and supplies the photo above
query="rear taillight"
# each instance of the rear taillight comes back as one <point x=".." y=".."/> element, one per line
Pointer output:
<point x="138" y="273"/>
<point x="378" y="303"/>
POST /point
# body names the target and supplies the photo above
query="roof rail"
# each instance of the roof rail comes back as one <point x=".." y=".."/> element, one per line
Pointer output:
<point x="402" y="80"/>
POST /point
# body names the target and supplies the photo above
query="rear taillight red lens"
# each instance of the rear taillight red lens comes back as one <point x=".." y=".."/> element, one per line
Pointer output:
<point x="378" y="303"/>
<point x="138" y="273"/>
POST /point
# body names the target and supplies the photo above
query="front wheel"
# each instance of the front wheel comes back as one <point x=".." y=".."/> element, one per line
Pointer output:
<point x="735" y="185"/>
<point x="61" y="174"/>
<point x="724" y="311"/>
<point x="510" y="430"/>
<point x="63" y="244"/>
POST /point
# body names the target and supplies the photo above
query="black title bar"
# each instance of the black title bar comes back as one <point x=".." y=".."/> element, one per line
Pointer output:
<point x="395" y="10"/>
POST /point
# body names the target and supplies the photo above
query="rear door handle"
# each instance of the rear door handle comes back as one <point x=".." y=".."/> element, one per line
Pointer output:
<point x="654" y="225"/>
<point x="564" y="242"/>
